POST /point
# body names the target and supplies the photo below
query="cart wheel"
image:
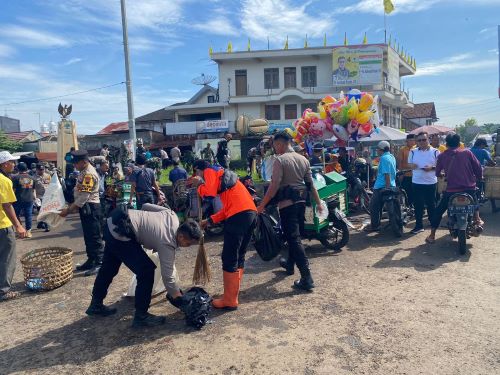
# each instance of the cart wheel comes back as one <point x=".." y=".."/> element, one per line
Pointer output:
<point x="336" y="236"/>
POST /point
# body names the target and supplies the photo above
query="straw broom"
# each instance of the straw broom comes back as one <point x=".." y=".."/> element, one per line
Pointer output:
<point x="202" y="274"/>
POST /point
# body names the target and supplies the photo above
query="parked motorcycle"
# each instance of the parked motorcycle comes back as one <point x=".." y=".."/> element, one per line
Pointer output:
<point x="461" y="224"/>
<point x="392" y="204"/>
<point x="359" y="192"/>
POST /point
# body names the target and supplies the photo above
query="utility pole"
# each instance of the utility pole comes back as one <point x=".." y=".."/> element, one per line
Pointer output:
<point x="130" y="100"/>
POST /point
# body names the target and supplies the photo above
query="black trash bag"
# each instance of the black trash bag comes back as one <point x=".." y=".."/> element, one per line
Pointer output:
<point x="267" y="240"/>
<point x="196" y="305"/>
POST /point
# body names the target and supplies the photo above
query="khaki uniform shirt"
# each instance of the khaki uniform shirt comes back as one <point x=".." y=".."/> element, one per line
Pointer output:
<point x="290" y="169"/>
<point x="87" y="187"/>
<point x="402" y="159"/>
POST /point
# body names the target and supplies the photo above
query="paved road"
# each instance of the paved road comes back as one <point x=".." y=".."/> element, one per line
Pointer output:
<point x="381" y="306"/>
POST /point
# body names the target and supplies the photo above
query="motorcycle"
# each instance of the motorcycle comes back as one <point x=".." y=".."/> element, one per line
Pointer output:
<point x="392" y="204"/>
<point x="461" y="208"/>
<point x="359" y="192"/>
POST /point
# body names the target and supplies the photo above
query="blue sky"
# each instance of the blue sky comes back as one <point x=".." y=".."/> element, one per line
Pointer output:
<point x="54" y="47"/>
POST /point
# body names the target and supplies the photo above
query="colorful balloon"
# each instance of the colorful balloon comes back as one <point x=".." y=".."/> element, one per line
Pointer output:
<point x="365" y="102"/>
<point x="340" y="132"/>
<point x="352" y="110"/>
<point x="364" y="117"/>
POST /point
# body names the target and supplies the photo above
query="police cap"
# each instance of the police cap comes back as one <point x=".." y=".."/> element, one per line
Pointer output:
<point x="79" y="155"/>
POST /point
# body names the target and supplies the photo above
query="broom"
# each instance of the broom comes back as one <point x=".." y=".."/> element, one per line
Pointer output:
<point x="202" y="274"/>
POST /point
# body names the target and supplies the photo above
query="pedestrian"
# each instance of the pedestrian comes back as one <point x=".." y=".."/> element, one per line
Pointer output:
<point x="68" y="158"/>
<point x="344" y="159"/>
<point x="126" y="233"/>
<point x="480" y="151"/>
<point x="402" y="164"/>
<point x="103" y="172"/>
<point x="239" y="214"/>
<point x="290" y="185"/>
<point x="176" y="174"/>
<point x="143" y="183"/>
<point x="208" y="154"/>
<point x="317" y="156"/>
<point x="164" y="158"/>
<point x="8" y="224"/>
<point x="251" y="157"/>
<point x="42" y="179"/>
<point x="223" y="154"/>
<point x="386" y="179"/>
<point x="70" y="183"/>
<point x="105" y="151"/>
<point x="462" y="171"/>
<point x="88" y="205"/>
<point x="436" y="143"/>
<point x="422" y="160"/>
<point x="141" y="150"/>
<point x="175" y="154"/>
<point x="24" y="188"/>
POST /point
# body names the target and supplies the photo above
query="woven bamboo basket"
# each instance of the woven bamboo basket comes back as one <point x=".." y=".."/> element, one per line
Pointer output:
<point x="47" y="268"/>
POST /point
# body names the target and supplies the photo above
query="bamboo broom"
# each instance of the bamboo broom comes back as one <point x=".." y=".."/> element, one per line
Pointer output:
<point x="202" y="274"/>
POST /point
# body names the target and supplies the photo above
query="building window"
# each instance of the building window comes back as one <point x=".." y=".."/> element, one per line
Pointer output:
<point x="290" y="111"/>
<point x="428" y="121"/>
<point x="241" y="82"/>
<point x="211" y="98"/>
<point x="273" y="112"/>
<point x="290" y="77"/>
<point x="309" y="76"/>
<point x="271" y="78"/>
<point x="304" y="106"/>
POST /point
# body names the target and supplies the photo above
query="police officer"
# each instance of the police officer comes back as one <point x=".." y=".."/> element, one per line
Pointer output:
<point x="290" y="183"/>
<point x="87" y="203"/>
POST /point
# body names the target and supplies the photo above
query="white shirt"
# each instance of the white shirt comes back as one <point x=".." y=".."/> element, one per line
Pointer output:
<point x="163" y="154"/>
<point x="423" y="158"/>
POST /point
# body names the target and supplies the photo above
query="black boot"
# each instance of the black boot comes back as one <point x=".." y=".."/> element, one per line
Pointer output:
<point x="306" y="281"/>
<point x="287" y="265"/>
<point x="97" y="308"/>
<point x="147" y="320"/>
<point x="89" y="263"/>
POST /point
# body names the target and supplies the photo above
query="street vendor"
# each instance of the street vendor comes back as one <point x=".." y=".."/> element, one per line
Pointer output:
<point x="88" y="205"/>
<point x="239" y="215"/>
<point x="155" y="228"/>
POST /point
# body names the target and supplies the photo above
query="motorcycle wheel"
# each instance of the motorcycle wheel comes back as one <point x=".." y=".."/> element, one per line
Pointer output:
<point x="462" y="241"/>
<point x="394" y="212"/>
<point x="335" y="238"/>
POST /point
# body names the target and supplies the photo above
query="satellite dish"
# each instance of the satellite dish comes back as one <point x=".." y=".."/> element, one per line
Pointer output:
<point x="203" y="80"/>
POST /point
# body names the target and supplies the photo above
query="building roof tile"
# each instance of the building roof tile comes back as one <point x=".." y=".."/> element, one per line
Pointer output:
<point x="114" y="127"/>
<point x="420" y="110"/>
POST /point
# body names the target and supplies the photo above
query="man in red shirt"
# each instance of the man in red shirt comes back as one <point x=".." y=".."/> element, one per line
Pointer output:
<point x="239" y="215"/>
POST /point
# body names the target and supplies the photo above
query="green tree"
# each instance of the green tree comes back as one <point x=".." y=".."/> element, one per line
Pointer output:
<point x="466" y="130"/>
<point x="7" y="144"/>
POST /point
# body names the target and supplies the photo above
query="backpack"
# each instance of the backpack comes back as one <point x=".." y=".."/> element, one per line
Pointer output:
<point x="267" y="240"/>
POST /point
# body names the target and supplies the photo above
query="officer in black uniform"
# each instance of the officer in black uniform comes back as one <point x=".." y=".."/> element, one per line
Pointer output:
<point x="88" y="204"/>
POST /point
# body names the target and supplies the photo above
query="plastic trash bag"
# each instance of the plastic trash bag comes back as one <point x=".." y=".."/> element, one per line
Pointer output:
<point x="158" y="286"/>
<point x="324" y="214"/>
<point x="52" y="203"/>
<point x="267" y="241"/>
<point x="196" y="305"/>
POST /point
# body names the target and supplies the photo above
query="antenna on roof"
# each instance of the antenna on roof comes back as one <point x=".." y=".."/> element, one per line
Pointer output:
<point x="203" y="80"/>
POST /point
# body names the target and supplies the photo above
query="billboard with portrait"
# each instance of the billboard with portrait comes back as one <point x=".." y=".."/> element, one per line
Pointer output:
<point x="357" y="65"/>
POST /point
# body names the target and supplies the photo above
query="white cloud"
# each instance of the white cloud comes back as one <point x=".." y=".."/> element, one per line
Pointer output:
<point x="72" y="61"/>
<point x="276" y="19"/>
<point x="6" y="51"/>
<point x="220" y="25"/>
<point x="32" y="37"/>
<point x="454" y="64"/>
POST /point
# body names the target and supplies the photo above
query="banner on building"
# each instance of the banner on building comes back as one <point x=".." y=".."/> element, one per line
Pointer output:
<point x="275" y="127"/>
<point x="212" y="126"/>
<point x="357" y="65"/>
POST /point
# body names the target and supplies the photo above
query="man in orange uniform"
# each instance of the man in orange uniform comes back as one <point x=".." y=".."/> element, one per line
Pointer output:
<point x="402" y="164"/>
<point x="239" y="215"/>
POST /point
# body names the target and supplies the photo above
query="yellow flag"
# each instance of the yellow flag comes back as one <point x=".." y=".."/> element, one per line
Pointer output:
<point x="286" y="43"/>
<point x="365" y="40"/>
<point x="388" y="6"/>
<point x="305" y="42"/>
<point x="324" y="41"/>
<point x="248" y="45"/>
<point x="345" y="39"/>
<point x="230" y="47"/>
<point x="210" y="51"/>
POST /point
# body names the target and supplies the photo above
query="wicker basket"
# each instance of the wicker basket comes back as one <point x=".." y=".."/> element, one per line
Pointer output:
<point x="492" y="182"/>
<point x="47" y="268"/>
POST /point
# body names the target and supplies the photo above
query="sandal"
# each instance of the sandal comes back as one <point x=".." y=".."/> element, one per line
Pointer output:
<point x="430" y="240"/>
<point x="9" y="295"/>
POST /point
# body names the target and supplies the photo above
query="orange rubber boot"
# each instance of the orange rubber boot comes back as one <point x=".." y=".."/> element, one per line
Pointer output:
<point x="241" y="270"/>
<point x="229" y="300"/>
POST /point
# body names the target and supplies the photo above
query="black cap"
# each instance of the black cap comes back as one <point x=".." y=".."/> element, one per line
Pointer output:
<point x="79" y="155"/>
<point x="40" y="166"/>
<point x="283" y="136"/>
<point x="22" y="167"/>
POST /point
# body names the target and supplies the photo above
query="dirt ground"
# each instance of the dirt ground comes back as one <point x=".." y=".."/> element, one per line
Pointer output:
<point x="381" y="306"/>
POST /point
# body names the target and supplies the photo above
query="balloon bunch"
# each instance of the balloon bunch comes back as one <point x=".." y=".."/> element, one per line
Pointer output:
<point x="351" y="116"/>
